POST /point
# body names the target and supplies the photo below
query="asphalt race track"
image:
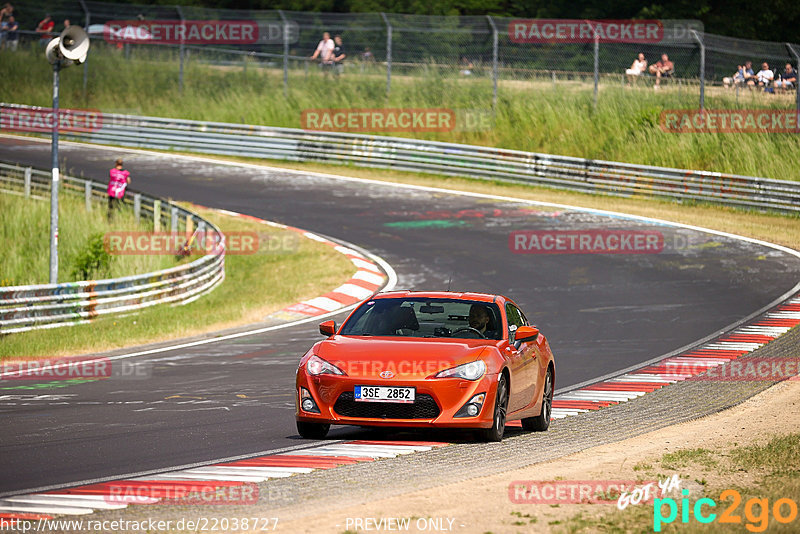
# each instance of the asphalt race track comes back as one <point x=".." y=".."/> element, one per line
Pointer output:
<point x="601" y="312"/>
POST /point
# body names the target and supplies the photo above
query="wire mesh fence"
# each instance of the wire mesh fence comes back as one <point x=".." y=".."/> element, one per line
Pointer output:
<point x="480" y="49"/>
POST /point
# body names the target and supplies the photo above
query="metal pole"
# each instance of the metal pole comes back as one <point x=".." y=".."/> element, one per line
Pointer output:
<point x="137" y="207"/>
<point x="388" y="53"/>
<point x="285" y="53"/>
<point x="87" y="21"/>
<point x="181" y="51"/>
<point x="797" y="89"/>
<point x="494" y="61"/>
<point x="54" y="182"/>
<point x="596" y="64"/>
<point x="702" y="69"/>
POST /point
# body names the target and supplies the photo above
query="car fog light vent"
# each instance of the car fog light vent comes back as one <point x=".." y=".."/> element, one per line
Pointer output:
<point x="307" y="403"/>
<point x="473" y="407"/>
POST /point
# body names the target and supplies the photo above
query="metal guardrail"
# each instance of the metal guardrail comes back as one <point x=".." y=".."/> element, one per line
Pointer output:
<point x="562" y="172"/>
<point x="32" y="307"/>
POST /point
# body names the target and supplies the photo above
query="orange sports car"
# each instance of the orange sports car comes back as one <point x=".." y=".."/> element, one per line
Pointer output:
<point x="428" y="359"/>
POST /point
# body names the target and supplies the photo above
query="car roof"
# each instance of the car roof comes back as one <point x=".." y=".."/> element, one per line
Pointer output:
<point x="480" y="297"/>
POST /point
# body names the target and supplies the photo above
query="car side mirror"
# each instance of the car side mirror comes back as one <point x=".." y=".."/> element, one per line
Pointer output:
<point x="525" y="333"/>
<point x="328" y="328"/>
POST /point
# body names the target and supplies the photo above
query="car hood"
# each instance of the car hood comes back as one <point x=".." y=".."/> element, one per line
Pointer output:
<point x="411" y="358"/>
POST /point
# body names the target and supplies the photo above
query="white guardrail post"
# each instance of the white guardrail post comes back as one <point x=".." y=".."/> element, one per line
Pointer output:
<point x="32" y="307"/>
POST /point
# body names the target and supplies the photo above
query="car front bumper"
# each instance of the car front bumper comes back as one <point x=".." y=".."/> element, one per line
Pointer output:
<point x="333" y="394"/>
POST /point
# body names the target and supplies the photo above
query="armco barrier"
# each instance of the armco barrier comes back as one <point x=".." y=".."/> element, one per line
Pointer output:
<point x="51" y="305"/>
<point x="594" y="176"/>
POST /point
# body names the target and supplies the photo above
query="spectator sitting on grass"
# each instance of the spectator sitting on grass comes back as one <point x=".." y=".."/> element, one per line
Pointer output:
<point x="765" y="76"/>
<point x="638" y="67"/>
<point x="743" y="74"/>
<point x="788" y="78"/>
<point x="466" y="66"/>
<point x="662" y="69"/>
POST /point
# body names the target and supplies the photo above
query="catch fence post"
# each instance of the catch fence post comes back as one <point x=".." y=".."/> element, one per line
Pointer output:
<point x="494" y="61"/>
<point x="181" y="50"/>
<point x="702" y="69"/>
<point x="388" y="53"/>
<point x="285" y="53"/>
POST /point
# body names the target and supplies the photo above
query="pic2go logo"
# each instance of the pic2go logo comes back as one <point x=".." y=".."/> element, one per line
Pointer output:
<point x="756" y="511"/>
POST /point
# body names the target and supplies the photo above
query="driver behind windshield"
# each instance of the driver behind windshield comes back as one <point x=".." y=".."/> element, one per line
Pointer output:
<point x="479" y="319"/>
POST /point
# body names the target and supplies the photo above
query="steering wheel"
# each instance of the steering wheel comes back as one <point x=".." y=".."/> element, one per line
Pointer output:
<point x="469" y="329"/>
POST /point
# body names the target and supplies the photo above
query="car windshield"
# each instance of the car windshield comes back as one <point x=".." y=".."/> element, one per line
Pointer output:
<point x="425" y="317"/>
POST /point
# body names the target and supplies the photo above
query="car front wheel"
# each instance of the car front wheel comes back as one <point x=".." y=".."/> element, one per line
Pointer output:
<point x="541" y="422"/>
<point x="495" y="433"/>
<point x="313" y="430"/>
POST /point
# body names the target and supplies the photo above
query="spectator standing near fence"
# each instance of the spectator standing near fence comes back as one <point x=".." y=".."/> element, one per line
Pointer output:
<point x="44" y="29"/>
<point x="5" y="15"/>
<point x="118" y="182"/>
<point x="12" y="35"/>
<point x="765" y="76"/>
<point x="788" y="78"/>
<point x="324" y="51"/>
<point x="339" y="54"/>
<point x="664" y="68"/>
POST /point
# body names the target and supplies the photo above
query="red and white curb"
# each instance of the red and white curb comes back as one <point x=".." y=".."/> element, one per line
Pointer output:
<point x="367" y="280"/>
<point x="738" y="342"/>
<point x="154" y="489"/>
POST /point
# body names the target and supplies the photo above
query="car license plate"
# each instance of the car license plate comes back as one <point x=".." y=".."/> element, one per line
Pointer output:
<point x="384" y="394"/>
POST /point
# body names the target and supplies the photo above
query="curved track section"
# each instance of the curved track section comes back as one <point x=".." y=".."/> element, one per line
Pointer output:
<point x="602" y="312"/>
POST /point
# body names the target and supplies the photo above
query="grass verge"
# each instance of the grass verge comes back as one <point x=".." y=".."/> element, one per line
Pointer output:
<point x="756" y="485"/>
<point x="530" y="115"/>
<point x="255" y="285"/>
<point x="25" y="234"/>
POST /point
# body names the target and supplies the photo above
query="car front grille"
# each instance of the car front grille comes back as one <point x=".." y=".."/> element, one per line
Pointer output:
<point x="424" y="407"/>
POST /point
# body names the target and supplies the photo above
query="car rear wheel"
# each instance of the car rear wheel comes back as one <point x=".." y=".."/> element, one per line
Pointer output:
<point x="495" y="433"/>
<point x="313" y="430"/>
<point x="541" y="422"/>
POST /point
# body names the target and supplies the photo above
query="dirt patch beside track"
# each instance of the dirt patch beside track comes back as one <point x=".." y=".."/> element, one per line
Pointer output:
<point x="483" y="504"/>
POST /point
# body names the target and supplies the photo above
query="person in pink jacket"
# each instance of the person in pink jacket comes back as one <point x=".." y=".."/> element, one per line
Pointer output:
<point x="118" y="181"/>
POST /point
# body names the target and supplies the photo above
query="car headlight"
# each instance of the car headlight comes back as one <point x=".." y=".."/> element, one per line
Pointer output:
<point x="317" y="366"/>
<point x="468" y="371"/>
